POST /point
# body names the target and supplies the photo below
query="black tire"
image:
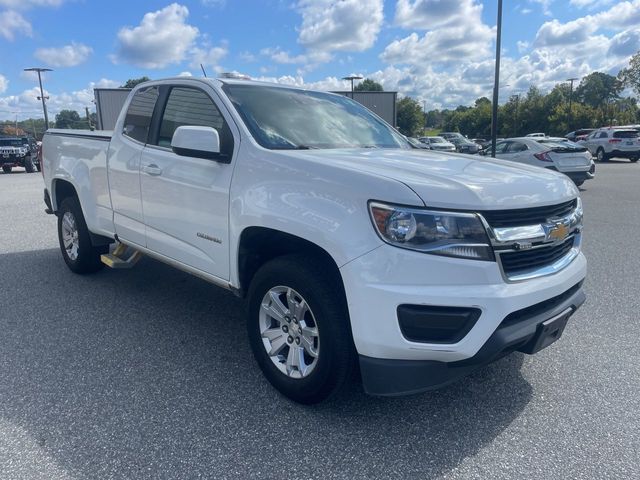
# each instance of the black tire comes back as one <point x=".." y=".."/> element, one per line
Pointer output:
<point x="324" y="294"/>
<point x="601" y="155"/>
<point x="29" y="166"/>
<point x="88" y="256"/>
<point x="6" y="169"/>
<point x="578" y="182"/>
<point x="634" y="159"/>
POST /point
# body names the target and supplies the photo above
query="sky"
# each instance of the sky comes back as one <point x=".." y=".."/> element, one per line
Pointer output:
<point x="439" y="51"/>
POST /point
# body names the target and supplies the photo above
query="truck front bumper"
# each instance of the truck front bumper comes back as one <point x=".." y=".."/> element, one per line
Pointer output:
<point x="510" y="314"/>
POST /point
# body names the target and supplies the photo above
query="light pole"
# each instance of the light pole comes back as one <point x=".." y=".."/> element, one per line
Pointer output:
<point x="496" y="84"/>
<point x="515" y="122"/>
<point x="41" y="97"/>
<point x="570" y="98"/>
<point x="352" y="78"/>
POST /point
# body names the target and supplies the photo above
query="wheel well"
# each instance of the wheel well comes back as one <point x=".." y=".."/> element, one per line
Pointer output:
<point x="61" y="190"/>
<point x="258" y="245"/>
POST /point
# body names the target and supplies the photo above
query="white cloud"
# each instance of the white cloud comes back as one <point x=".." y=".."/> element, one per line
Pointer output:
<point x="4" y="84"/>
<point x="13" y="23"/>
<point x="209" y="56"/>
<point x="25" y="4"/>
<point x="430" y="14"/>
<point x="590" y="3"/>
<point x="27" y="104"/>
<point x="545" y="4"/>
<point x="162" y="38"/>
<point x="442" y="45"/>
<point x="283" y="57"/>
<point x="348" y="25"/>
<point x="455" y="33"/>
<point x="67" y="56"/>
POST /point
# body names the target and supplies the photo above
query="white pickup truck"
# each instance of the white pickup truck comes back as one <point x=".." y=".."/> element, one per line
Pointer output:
<point x="351" y="248"/>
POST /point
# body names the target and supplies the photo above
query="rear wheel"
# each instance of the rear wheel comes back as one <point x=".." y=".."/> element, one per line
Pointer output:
<point x="75" y="243"/>
<point x="578" y="182"/>
<point x="6" y="169"/>
<point x="601" y="156"/>
<point x="29" y="166"/>
<point x="299" y="328"/>
<point x="634" y="159"/>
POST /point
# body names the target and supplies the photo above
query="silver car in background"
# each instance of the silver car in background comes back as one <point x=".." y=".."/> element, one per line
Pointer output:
<point x="438" y="143"/>
<point x="570" y="158"/>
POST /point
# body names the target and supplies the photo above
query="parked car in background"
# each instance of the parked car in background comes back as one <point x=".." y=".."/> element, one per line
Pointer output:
<point x="579" y="134"/>
<point x="539" y="134"/>
<point x="13" y="153"/>
<point x="438" y="143"/>
<point x="32" y="148"/>
<point x="609" y="142"/>
<point x="415" y="143"/>
<point x="462" y="143"/>
<point x="566" y="157"/>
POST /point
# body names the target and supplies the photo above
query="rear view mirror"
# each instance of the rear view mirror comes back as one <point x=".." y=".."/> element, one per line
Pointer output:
<point x="199" y="142"/>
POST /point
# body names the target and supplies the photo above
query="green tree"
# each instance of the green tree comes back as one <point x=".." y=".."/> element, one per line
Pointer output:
<point x="368" y="85"/>
<point x="132" y="82"/>
<point x="598" y="89"/>
<point x="410" y="117"/>
<point x="69" y="119"/>
<point x="630" y="76"/>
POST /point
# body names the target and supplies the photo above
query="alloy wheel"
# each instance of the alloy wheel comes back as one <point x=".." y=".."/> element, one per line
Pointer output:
<point x="289" y="332"/>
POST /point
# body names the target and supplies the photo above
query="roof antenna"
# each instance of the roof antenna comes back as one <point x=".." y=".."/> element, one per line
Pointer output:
<point x="205" y="73"/>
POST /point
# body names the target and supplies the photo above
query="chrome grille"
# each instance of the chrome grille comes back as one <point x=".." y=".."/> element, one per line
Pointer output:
<point x="527" y="216"/>
<point x="516" y="262"/>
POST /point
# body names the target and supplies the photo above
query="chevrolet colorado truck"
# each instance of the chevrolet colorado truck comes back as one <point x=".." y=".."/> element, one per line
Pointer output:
<point x="351" y="248"/>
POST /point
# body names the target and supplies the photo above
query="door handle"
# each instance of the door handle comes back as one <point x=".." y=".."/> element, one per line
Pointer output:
<point x="152" y="169"/>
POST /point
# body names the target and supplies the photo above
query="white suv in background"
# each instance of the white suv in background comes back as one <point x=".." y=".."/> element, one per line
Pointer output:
<point x="606" y="143"/>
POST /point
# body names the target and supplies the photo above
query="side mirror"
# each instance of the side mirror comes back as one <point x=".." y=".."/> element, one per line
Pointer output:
<point x="199" y="142"/>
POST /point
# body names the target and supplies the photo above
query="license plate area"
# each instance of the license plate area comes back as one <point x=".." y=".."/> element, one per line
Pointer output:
<point x="548" y="332"/>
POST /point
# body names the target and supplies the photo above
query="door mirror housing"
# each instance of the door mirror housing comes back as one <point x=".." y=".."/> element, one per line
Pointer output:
<point x="199" y="142"/>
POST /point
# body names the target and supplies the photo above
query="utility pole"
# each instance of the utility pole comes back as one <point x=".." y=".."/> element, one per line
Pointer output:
<point x="424" y="111"/>
<point x="570" y="98"/>
<point x="515" y="123"/>
<point x="496" y="84"/>
<point x="86" y="111"/>
<point x="41" y="97"/>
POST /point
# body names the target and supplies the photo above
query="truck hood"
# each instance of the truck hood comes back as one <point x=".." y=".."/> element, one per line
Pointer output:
<point x="456" y="181"/>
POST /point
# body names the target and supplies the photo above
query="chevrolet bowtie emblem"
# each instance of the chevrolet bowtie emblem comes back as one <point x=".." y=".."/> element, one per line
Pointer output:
<point x="556" y="232"/>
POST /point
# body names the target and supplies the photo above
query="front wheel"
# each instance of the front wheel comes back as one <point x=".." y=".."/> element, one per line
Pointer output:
<point x="578" y="182"/>
<point x="299" y="329"/>
<point x="6" y="169"/>
<point x="601" y="156"/>
<point x="634" y="159"/>
<point x="75" y="243"/>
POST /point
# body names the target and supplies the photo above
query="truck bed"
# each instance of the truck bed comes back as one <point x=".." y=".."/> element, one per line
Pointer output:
<point x="80" y="158"/>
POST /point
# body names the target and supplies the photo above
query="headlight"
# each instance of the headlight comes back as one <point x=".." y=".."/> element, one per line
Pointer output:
<point x="450" y="234"/>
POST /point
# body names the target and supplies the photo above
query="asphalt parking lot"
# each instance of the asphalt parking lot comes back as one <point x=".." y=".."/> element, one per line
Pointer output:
<point x="147" y="373"/>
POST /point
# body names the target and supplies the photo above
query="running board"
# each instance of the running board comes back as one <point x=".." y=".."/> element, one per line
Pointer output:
<point x="118" y="258"/>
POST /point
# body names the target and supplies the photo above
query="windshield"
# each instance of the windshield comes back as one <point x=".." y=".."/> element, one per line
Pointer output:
<point x="287" y="118"/>
<point x="437" y="140"/>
